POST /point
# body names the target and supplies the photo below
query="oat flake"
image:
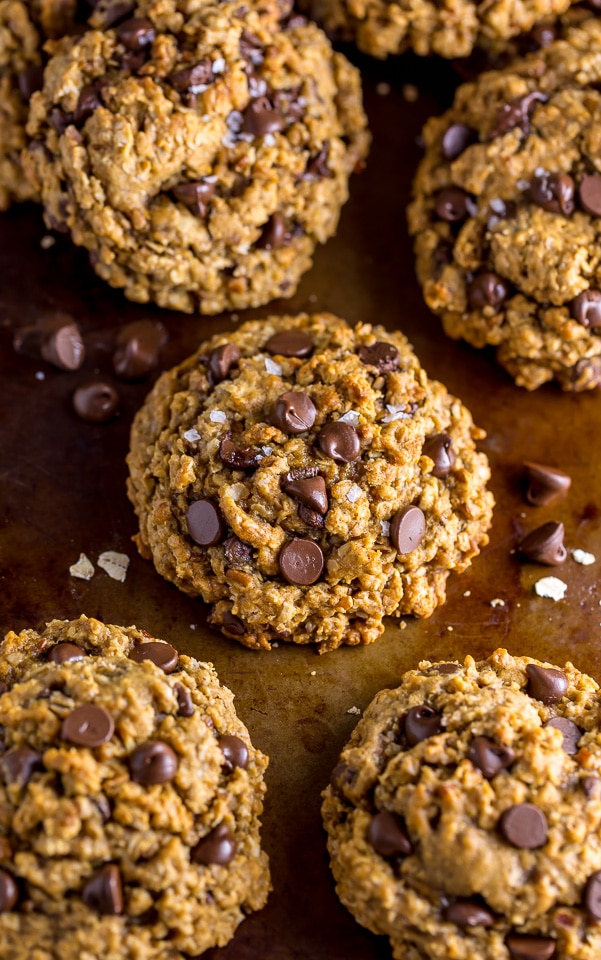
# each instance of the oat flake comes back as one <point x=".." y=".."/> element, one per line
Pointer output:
<point x="114" y="564"/>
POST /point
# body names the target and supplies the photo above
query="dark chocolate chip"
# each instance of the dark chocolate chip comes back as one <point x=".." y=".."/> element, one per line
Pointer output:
<point x="445" y="668"/>
<point x="317" y="166"/>
<point x="456" y="139"/>
<point x="487" y="290"/>
<point x="275" y="234"/>
<point x="490" y="757"/>
<point x="571" y="733"/>
<point x="592" y="895"/>
<point x="136" y="33"/>
<point x="589" y="192"/>
<point x="407" y="529"/>
<point x="387" y="835"/>
<point x="542" y="35"/>
<point x="103" y="806"/>
<point x="545" y="484"/>
<point x="524" y="826"/>
<point x="311" y="492"/>
<point x="420" y="723"/>
<point x="18" y="765"/>
<point x="185" y="705"/>
<point x="95" y="401"/>
<point x="232" y="626"/>
<point x="239" y="458"/>
<point x="440" y="449"/>
<point x="163" y="655"/>
<point x="294" y="412"/>
<point x="198" y="75"/>
<point x="592" y="788"/>
<point x="301" y="562"/>
<point x="342" y="776"/>
<point x="137" y="348"/>
<point x="525" y="947"/>
<point x="311" y="517"/>
<point x="260" y="118"/>
<point x="384" y="356"/>
<point x="63" y="652"/>
<point x="468" y="913"/>
<point x="235" y="752"/>
<point x="546" y="683"/>
<point x="289" y="343"/>
<point x="103" y="892"/>
<point x="545" y="544"/>
<point x="237" y="553"/>
<point x="64" y="348"/>
<point x="554" y="192"/>
<point x="517" y="113"/>
<point x="195" y="194"/>
<point x="217" y="847"/>
<point x="340" y="441"/>
<point x="59" y="120"/>
<point x="153" y="762"/>
<point x="221" y="361"/>
<point x="586" y="308"/>
<point x="9" y="893"/>
<point x="88" y="726"/>
<point x="205" y="523"/>
<point x="30" y="80"/>
<point x="454" y="204"/>
<point x="88" y="101"/>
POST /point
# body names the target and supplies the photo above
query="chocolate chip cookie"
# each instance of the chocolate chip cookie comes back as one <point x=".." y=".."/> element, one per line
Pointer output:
<point x="507" y="214"/>
<point x="306" y="479"/>
<point x="464" y="817"/>
<point x="129" y="794"/>
<point x="199" y="151"/>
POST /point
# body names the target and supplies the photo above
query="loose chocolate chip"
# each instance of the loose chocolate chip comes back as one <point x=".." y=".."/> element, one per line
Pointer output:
<point x="235" y="752"/>
<point x="490" y="757"/>
<point x="524" y="826"/>
<point x="487" y="290"/>
<point x="387" y="835"/>
<point x="468" y="913"/>
<point x="545" y="484"/>
<point x="546" y="683"/>
<point x="589" y="192"/>
<point x="592" y="895"/>
<point x="163" y="655"/>
<point x="311" y="492"/>
<point x="197" y="75"/>
<point x="239" y="458"/>
<point x="64" y="348"/>
<point x="18" y="765"/>
<point x="95" y="401"/>
<point x="545" y="544"/>
<point x="340" y="441"/>
<point x="29" y="81"/>
<point x="153" y="762"/>
<point x="137" y="348"/>
<point x="554" y="192"/>
<point x="232" y="625"/>
<point x="440" y="449"/>
<point x="63" y="652"/>
<point x="523" y="947"/>
<point x="516" y="113"/>
<point x="275" y="234"/>
<point x="185" y="705"/>
<point x="317" y="166"/>
<point x="384" y="356"/>
<point x="237" y="553"/>
<point x="195" y="194"/>
<point x="543" y="34"/>
<point x="456" y="139"/>
<point x="136" y="33"/>
<point x="407" y="529"/>
<point x="221" y="361"/>
<point x="103" y="892"/>
<point x="289" y="343"/>
<point x="260" y="118"/>
<point x="88" y="101"/>
<point x="571" y="733"/>
<point x="217" y="847"/>
<point x="420" y="723"/>
<point x="9" y="893"/>
<point x="454" y="204"/>
<point x="586" y="308"/>
<point x="301" y="562"/>
<point x="205" y="523"/>
<point x="592" y="788"/>
<point x="88" y="726"/>
<point x="294" y="412"/>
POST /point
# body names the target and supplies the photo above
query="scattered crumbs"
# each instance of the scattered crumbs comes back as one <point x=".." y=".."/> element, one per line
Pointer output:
<point x="217" y="416"/>
<point x="581" y="556"/>
<point x="395" y="412"/>
<point x="192" y="626"/>
<point x="354" y="710"/>
<point x="410" y="92"/>
<point x="383" y="89"/>
<point x="272" y="367"/>
<point x="385" y="527"/>
<point x="313" y="673"/>
<point x="40" y="375"/>
<point x="467" y="593"/>
<point x="47" y="242"/>
<point x="353" y="493"/>
<point x="274" y="646"/>
<point x="551" y="587"/>
<point x="497" y="602"/>
<point x="312" y="298"/>
<point x="83" y="569"/>
<point x="351" y="416"/>
<point x="192" y="435"/>
<point x="450" y="629"/>
<point x="115" y="564"/>
<point x="403" y="625"/>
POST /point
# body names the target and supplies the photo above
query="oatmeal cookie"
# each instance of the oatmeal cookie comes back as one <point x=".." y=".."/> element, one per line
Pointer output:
<point x="129" y="799"/>
<point x="199" y="151"/>
<point x="464" y="817"/>
<point x="307" y="478"/>
<point x="507" y="214"/>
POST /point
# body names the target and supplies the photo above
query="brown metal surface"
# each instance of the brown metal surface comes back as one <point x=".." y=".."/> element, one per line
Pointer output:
<point x="62" y="490"/>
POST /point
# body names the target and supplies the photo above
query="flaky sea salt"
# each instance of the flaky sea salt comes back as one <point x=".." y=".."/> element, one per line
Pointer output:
<point x="551" y="587"/>
<point x="272" y="367"/>
<point x="351" y="416"/>
<point x="218" y="65"/>
<point x="385" y="527"/>
<point x="217" y="416"/>
<point x="353" y="493"/>
<point x="267" y="451"/>
<point x="114" y="564"/>
<point x="269" y="140"/>
<point x="581" y="556"/>
<point x="395" y="413"/>
<point x="192" y="435"/>
<point x="83" y="569"/>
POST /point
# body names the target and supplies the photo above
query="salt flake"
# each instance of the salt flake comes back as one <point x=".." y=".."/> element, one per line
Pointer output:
<point x="217" y="416"/>
<point x="192" y="435"/>
<point x="395" y="412"/>
<point x="551" y="587"/>
<point x="83" y="569"/>
<point x="581" y="556"/>
<point x="351" y="416"/>
<point x="218" y="65"/>
<point x="272" y="367"/>
<point x="353" y="493"/>
<point x="385" y="527"/>
<point x="267" y="451"/>
<point x="114" y="564"/>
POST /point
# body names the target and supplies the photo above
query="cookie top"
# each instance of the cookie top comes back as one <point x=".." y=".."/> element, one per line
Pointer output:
<point x="297" y="466"/>
<point x="469" y="800"/>
<point x="199" y="151"/>
<point x="507" y="214"/>
<point x="129" y="794"/>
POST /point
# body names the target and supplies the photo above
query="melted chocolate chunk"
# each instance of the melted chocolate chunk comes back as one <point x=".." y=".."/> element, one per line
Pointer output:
<point x="554" y="192"/>
<point x="103" y="892"/>
<point x="586" y="308"/>
<point x="163" y="655"/>
<point x="217" y="847"/>
<point x="456" y="139"/>
<point x="546" y="683"/>
<point x="517" y="113"/>
<point x="198" y="75"/>
<point x="275" y="234"/>
<point x="239" y="458"/>
<point x="136" y="34"/>
<point x="221" y="361"/>
<point x="420" y="723"/>
<point x="440" y="449"/>
<point x="196" y="195"/>
<point x="407" y="529"/>
<point x="340" y="441"/>
<point x="387" y="835"/>
<point x="384" y="356"/>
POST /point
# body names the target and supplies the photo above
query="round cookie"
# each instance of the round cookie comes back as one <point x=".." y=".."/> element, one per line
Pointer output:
<point x="298" y="467"/>
<point x="129" y="798"/>
<point x="507" y="214"/>
<point x="464" y="817"/>
<point x="199" y="151"/>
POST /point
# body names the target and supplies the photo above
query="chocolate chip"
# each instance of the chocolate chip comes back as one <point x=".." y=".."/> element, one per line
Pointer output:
<point x="95" y="401"/>
<point x="546" y="683"/>
<point x="235" y="752"/>
<point x="301" y="562"/>
<point x="59" y="120"/>
<point x="289" y="343"/>
<point x="490" y="757"/>
<point x="317" y="166"/>
<point x="239" y="458"/>
<point x="445" y="668"/>
<point x="420" y="723"/>
<point x="384" y="356"/>
<point x="153" y="762"/>
<point x="342" y="776"/>
<point x="260" y="118"/>
<point x="294" y="412"/>
<point x="387" y="835"/>
<point x="545" y="484"/>
<point x="516" y="113"/>
<point x="221" y="361"/>
<point x="217" y="847"/>
<point x="407" y="529"/>
<point x="163" y="655"/>
<point x="545" y="544"/>
<point x="64" y="348"/>
<point x="487" y="290"/>
<point x="340" y="441"/>
<point x="185" y="705"/>
<point x="524" y="826"/>
<point x="136" y="33"/>
<point x="237" y="553"/>
<point x="232" y="625"/>
<point x="554" y="192"/>
<point x="3" y="687"/>
<point x="63" y="652"/>
<point x="589" y="192"/>
<point x="592" y="788"/>
<point x="468" y="913"/>
<point x="9" y="893"/>
<point x="523" y="947"/>
<point x="456" y="139"/>
<point x="103" y="892"/>
<point x="198" y="75"/>
<point x="138" y="347"/>
<point x="571" y="733"/>
<point x="205" y="523"/>
<point x="18" y="765"/>
<point x="275" y="234"/>
<point x="88" y="726"/>
<point x="88" y="101"/>
<point x="453" y="204"/>
<point x="586" y="308"/>
<point x="29" y="81"/>
<point x="592" y="895"/>
<point x="195" y="194"/>
<point x="440" y="449"/>
<point x="311" y="492"/>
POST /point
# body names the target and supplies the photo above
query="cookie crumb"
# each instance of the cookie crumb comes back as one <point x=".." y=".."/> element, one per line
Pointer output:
<point x="410" y="92"/>
<point x="192" y="626"/>
<point x="354" y="710"/>
<point x="312" y="298"/>
<point x="83" y="569"/>
<point x="583" y="557"/>
<point x="450" y="629"/>
<point x="383" y="88"/>
<point x="114" y="564"/>
<point x="47" y="242"/>
<point x="551" y="587"/>
<point x="467" y="593"/>
<point x="497" y="602"/>
<point x="313" y="673"/>
<point x="403" y="625"/>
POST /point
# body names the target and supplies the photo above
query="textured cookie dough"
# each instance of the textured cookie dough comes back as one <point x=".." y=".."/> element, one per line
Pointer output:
<point x="199" y="151"/>
<point x="507" y="214"/>
<point x="310" y="485"/>
<point x="129" y="799"/>
<point x="464" y="817"/>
